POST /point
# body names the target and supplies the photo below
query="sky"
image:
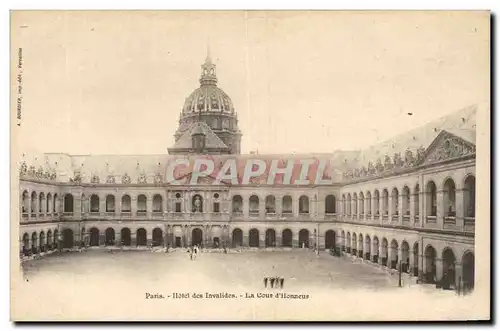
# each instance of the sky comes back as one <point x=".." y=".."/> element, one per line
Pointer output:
<point x="303" y="82"/>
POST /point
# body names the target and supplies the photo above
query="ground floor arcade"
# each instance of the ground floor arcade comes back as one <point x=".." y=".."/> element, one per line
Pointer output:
<point x="447" y="261"/>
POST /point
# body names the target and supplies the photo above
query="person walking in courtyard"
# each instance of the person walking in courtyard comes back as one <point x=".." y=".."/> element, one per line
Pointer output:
<point x="282" y="282"/>
<point x="272" y="282"/>
<point x="265" y="282"/>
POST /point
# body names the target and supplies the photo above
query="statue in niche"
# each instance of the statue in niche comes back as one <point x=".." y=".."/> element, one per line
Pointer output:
<point x="110" y="179"/>
<point x="197" y="204"/>
<point x="23" y="169"/>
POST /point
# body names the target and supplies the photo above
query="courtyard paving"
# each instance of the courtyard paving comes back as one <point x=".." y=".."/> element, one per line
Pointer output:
<point x="79" y="284"/>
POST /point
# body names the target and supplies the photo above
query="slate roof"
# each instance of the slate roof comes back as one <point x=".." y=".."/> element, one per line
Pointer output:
<point x="212" y="140"/>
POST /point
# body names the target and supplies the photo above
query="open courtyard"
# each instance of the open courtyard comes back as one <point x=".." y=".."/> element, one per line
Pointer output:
<point x="165" y="285"/>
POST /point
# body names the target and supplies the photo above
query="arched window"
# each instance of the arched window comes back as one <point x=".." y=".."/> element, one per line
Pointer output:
<point x="376" y="201"/>
<point x="368" y="203"/>
<point x="216" y="203"/>
<point x="237" y="204"/>
<point x="56" y="204"/>
<point x="41" y="202"/>
<point x="287" y="204"/>
<point x="110" y="203"/>
<point x="304" y="205"/>
<point x="395" y="201"/>
<point x="385" y="202"/>
<point x="270" y="204"/>
<point x="406" y="200"/>
<point x="48" y="207"/>
<point x="33" y="202"/>
<point x="157" y="203"/>
<point x="417" y="200"/>
<point x="431" y="195"/>
<point x="470" y="196"/>
<point x="68" y="203"/>
<point x="449" y="198"/>
<point x="178" y="202"/>
<point x="254" y="204"/>
<point x="355" y="204"/>
<point x="142" y="204"/>
<point x="361" y="203"/>
<point x="94" y="203"/>
<point x="330" y="204"/>
<point x="349" y="204"/>
<point x="25" y="205"/>
<point x="126" y="204"/>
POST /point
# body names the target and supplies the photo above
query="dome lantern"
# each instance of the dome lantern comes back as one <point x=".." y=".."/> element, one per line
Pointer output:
<point x="208" y="71"/>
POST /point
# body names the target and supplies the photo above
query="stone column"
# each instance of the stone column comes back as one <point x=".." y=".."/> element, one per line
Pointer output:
<point x="439" y="269"/>
<point x="295" y="238"/>
<point x="29" y="210"/>
<point x="149" y="205"/>
<point x="459" y="208"/>
<point x="118" y="238"/>
<point x="279" y="240"/>
<point x="133" y="237"/>
<point x="133" y="205"/>
<point x="412" y="260"/>
<point x="149" y="238"/>
<point x="262" y="238"/>
<point x="459" y="278"/>
<point x="102" y="203"/>
<point x="77" y="206"/>
<point x="164" y="204"/>
<point x="246" y="206"/>
<point x="412" y="208"/>
<point x="400" y="207"/>
<point x="279" y="205"/>
<point x="295" y="206"/>
<point x="262" y="207"/>
<point x="422" y="202"/>
<point x="102" y="238"/>
<point x="246" y="238"/>
<point x="440" y="209"/>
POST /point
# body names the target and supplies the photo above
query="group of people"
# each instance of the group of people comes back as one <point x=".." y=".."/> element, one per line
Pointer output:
<point x="274" y="282"/>
<point x="193" y="252"/>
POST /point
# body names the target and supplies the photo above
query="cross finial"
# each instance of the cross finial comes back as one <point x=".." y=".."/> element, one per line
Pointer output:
<point x="208" y="60"/>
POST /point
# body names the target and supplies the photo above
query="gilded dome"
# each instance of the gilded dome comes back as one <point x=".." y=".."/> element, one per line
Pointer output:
<point x="208" y="98"/>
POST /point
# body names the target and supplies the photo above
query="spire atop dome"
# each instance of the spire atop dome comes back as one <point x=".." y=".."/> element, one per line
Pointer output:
<point x="208" y="74"/>
<point x="208" y="59"/>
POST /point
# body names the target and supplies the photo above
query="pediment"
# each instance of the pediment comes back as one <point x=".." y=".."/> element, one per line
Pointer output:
<point x="447" y="146"/>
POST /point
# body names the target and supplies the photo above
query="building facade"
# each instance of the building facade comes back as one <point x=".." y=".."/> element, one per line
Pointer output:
<point x="407" y="202"/>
